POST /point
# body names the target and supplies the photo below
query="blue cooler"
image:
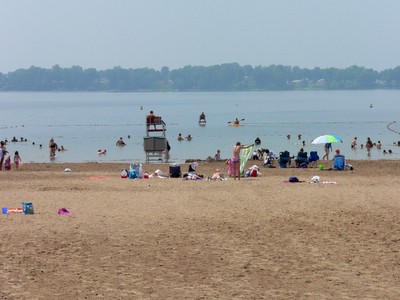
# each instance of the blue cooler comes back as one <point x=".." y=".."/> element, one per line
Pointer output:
<point x="27" y="208"/>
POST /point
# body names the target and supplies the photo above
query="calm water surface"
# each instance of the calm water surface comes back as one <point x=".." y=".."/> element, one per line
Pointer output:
<point x="86" y="122"/>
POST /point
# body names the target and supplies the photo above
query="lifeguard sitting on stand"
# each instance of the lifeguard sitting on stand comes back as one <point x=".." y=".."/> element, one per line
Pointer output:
<point x="154" y="120"/>
<point x="150" y="119"/>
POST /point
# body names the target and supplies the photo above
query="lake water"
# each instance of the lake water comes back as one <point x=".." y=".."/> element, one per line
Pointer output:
<point x="86" y="122"/>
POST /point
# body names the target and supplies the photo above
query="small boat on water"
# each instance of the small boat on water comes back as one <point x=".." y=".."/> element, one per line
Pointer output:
<point x="236" y="123"/>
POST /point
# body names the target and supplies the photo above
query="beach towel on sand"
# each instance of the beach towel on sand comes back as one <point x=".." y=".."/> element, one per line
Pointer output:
<point x="244" y="157"/>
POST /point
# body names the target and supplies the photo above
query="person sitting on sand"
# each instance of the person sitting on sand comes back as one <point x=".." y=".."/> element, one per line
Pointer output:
<point x="337" y="151"/>
<point x="217" y="175"/>
<point x="192" y="171"/>
<point x="157" y="174"/>
<point x="255" y="155"/>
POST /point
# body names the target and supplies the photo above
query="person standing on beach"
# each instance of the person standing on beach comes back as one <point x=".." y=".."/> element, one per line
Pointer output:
<point x="3" y="152"/>
<point x="17" y="160"/>
<point x="328" y="147"/>
<point x="236" y="159"/>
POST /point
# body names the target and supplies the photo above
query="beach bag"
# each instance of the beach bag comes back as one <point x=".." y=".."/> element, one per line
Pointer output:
<point x="253" y="172"/>
<point x="133" y="174"/>
<point x="27" y="208"/>
<point x="135" y="171"/>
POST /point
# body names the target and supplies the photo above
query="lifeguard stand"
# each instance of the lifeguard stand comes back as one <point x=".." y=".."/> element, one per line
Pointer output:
<point x="155" y="142"/>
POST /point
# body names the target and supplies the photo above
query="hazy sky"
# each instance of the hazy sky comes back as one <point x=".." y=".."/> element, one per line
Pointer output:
<point x="174" y="33"/>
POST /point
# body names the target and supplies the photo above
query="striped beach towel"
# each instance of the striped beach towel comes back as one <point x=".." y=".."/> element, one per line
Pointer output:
<point x="244" y="157"/>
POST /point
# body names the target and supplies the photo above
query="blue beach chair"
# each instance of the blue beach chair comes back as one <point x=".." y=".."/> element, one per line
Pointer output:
<point x="302" y="160"/>
<point x="313" y="159"/>
<point x="339" y="162"/>
<point x="284" y="159"/>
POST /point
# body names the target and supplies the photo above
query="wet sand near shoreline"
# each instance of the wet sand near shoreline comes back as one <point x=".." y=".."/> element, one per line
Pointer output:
<point x="260" y="238"/>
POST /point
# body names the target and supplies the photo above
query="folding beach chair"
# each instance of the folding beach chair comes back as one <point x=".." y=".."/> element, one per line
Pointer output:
<point x="301" y="160"/>
<point x="339" y="162"/>
<point x="313" y="159"/>
<point x="175" y="171"/>
<point x="284" y="159"/>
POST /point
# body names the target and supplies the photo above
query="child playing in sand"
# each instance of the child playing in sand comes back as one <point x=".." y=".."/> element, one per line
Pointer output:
<point x="216" y="175"/>
<point x="17" y="160"/>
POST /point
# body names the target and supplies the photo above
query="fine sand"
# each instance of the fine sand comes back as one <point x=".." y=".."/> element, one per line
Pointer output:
<point x="257" y="238"/>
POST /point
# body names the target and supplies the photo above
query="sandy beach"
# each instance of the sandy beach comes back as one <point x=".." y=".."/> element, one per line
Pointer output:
<point x="257" y="238"/>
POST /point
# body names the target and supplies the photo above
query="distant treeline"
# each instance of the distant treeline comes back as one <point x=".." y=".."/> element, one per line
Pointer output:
<point x="224" y="77"/>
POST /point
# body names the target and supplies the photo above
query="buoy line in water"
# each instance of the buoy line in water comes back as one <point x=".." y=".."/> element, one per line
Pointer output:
<point x="388" y="127"/>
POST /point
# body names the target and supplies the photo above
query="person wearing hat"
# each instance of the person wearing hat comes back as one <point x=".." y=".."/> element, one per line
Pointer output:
<point x="339" y="161"/>
<point x="337" y="151"/>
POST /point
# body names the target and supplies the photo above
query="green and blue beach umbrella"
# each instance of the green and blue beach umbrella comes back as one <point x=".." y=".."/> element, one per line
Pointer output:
<point x="326" y="138"/>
